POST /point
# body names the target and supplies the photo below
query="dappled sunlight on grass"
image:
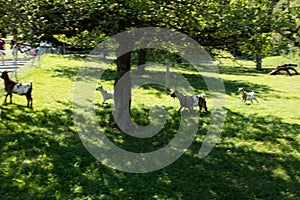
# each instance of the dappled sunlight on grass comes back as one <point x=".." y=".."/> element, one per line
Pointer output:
<point x="257" y="156"/>
<point x="264" y="133"/>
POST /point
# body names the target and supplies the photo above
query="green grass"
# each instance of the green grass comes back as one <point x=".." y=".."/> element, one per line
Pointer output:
<point x="257" y="157"/>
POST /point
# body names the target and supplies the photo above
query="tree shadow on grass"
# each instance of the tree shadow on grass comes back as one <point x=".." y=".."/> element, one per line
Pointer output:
<point x="65" y="72"/>
<point x="72" y="73"/>
<point x="39" y="150"/>
<point x="241" y="70"/>
<point x="252" y="160"/>
<point x="42" y="157"/>
<point x="231" y="87"/>
<point x="198" y="83"/>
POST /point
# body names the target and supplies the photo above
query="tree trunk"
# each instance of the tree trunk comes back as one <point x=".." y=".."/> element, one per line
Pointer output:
<point x="122" y="90"/>
<point x="142" y="53"/>
<point x="258" y="57"/>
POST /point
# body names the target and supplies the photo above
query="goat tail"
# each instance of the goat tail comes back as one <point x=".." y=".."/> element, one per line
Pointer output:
<point x="30" y="82"/>
<point x="202" y="95"/>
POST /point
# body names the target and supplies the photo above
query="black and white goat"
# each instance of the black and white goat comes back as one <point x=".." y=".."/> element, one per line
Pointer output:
<point x="247" y="95"/>
<point x="12" y="86"/>
<point x="105" y="94"/>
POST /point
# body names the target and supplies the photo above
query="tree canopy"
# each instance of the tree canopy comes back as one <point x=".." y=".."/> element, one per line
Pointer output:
<point x="246" y="27"/>
<point x="205" y="20"/>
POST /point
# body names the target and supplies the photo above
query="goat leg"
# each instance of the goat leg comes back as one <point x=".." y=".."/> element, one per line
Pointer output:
<point x="5" y="98"/>
<point x="29" y="101"/>
<point x="10" y="96"/>
<point x="205" y="107"/>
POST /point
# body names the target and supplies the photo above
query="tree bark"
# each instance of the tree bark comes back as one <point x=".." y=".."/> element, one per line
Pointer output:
<point x="122" y="90"/>
<point x="258" y="57"/>
<point x="285" y="67"/>
<point x="142" y="53"/>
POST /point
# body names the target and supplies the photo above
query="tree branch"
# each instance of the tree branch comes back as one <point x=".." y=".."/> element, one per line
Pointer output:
<point x="290" y="36"/>
<point x="13" y="10"/>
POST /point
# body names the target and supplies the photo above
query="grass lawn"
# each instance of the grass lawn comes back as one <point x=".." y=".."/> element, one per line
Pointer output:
<point x="257" y="157"/>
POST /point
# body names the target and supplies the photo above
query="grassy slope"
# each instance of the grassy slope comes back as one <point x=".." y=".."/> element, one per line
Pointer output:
<point x="257" y="157"/>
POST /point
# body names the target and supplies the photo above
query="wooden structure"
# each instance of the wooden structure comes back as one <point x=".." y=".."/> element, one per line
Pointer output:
<point x="284" y="67"/>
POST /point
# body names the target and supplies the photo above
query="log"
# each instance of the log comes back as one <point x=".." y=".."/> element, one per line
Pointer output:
<point x="285" y="67"/>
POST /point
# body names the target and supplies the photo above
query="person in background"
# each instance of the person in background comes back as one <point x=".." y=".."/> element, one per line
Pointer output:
<point x="14" y="46"/>
<point x="2" y="48"/>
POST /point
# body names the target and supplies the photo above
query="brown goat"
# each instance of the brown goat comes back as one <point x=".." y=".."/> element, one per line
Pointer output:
<point x="18" y="88"/>
<point x="190" y="101"/>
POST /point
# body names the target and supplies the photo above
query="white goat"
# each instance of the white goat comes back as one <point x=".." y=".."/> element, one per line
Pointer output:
<point x="105" y="94"/>
<point x="247" y="95"/>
